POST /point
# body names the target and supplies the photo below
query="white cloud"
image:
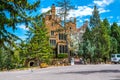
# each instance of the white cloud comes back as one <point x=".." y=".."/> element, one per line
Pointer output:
<point x="103" y="3"/>
<point x="85" y="11"/>
<point x="22" y="27"/>
<point x="43" y="10"/>
<point x="102" y="10"/>
<point x="80" y="12"/>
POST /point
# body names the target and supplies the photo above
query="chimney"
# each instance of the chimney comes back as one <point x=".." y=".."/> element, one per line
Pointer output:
<point x="53" y="11"/>
<point x="75" y="20"/>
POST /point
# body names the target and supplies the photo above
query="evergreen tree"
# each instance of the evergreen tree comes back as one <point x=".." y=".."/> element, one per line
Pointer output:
<point x="1" y="59"/>
<point x="38" y="44"/>
<point x="90" y="48"/>
<point x="95" y="34"/>
<point x="115" y="33"/>
<point x="105" y="38"/>
<point x="13" y="12"/>
<point x="87" y="35"/>
<point x="95" y="18"/>
<point x="114" y="45"/>
<point x="86" y="50"/>
<point x="107" y="25"/>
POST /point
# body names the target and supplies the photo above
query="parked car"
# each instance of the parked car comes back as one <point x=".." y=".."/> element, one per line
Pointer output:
<point x="115" y="58"/>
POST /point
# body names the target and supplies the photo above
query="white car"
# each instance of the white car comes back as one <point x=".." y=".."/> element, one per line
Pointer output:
<point x="115" y="58"/>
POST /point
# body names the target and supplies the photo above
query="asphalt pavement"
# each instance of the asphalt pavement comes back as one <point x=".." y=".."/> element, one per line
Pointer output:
<point x="74" y="72"/>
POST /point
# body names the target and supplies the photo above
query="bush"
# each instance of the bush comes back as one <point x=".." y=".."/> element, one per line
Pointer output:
<point x="62" y="55"/>
<point x="46" y="58"/>
<point x="43" y="65"/>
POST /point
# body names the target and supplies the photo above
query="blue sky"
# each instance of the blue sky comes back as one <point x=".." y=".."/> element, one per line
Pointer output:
<point x="109" y="9"/>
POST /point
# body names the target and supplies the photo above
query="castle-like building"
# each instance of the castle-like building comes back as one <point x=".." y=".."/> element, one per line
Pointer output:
<point x="57" y="32"/>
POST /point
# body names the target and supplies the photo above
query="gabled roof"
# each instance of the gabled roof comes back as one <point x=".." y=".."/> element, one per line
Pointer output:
<point x="83" y="27"/>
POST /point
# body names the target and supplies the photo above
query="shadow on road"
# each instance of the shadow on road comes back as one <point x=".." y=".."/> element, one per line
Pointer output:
<point x="115" y="79"/>
<point x="91" y="72"/>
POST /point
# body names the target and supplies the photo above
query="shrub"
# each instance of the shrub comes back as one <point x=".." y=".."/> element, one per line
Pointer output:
<point x="62" y="55"/>
<point x="43" y="65"/>
<point x="46" y="58"/>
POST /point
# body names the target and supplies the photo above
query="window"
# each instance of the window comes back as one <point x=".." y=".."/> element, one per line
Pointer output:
<point x="52" y="42"/>
<point x="62" y="36"/>
<point x="62" y="48"/>
<point x="52" y="33"/>
<point x="112" y="55"/>
<point x="118" y="55"/>
<point x="53" y="24"/>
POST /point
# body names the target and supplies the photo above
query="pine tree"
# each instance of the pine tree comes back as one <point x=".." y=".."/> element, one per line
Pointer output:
<point x="115" y="33"/>
<point x="105" y="38"/>
<point x="95" y="18"/>
<point x="38" y="44"/>
<point x="89" y="47"/>
<point x="13" y="12"/>
<point x="95" y="32"/>
<point x="87" y="35"/>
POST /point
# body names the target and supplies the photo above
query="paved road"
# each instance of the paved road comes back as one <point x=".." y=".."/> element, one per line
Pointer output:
<point x="76" y="72"/>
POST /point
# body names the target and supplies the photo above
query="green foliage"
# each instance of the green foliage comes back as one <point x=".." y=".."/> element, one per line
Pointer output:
<point x="1" y="59"/>
<point x="95" y="18"/>
<point x="115" y="33"/>
<point x="62" y="55"/>
<point x="86" y="50"/>
<point x="35" y="48"/>
<point x="101" y="40"/>
<point x="37" y="45"/>
<point x="114" y="45"/>
<point x="39" y="42"/>
<point x="12" y="13"/>
<point x="6" y="59"/>
<point x="87" y="34"/>
<point x="46" y="57"/>
<point x="105" y="37"/>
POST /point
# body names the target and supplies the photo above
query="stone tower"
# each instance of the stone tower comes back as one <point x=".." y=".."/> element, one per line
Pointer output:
<point x="53" y="11"/>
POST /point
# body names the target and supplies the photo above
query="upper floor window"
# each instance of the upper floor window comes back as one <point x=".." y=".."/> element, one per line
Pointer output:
<point x="62" y="36"/>
<point x="52" y="33"/>
<point x="52" y="42"/>
<point x="52" y="24"/>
